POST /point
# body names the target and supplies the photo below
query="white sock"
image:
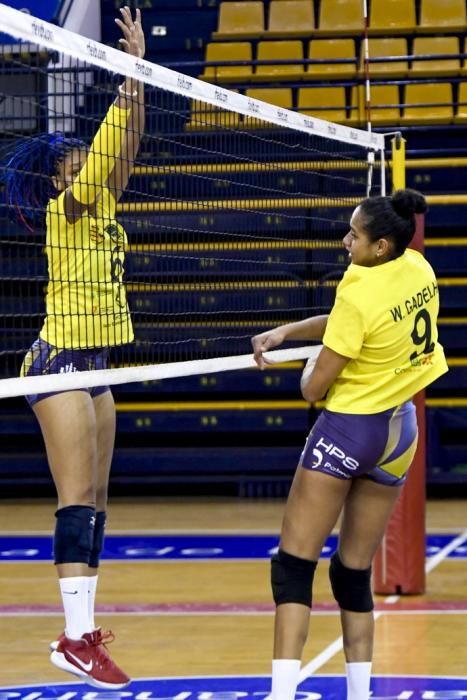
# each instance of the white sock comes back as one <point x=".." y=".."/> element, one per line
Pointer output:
<point x="92" y="587"/>
<point x="284" y="678"/>
<point x="358" y="680"/>
<point x="74" y="592"/>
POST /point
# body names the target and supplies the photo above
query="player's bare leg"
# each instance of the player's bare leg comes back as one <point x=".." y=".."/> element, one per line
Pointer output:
<point x="366" y="513"/>
<point x="105" y="423"/>
<point x="312" y="509"/>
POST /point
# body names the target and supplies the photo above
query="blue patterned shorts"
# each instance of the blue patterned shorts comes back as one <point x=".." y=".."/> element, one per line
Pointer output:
<point x="43" y="358"/>
<point x="380" y="446"/>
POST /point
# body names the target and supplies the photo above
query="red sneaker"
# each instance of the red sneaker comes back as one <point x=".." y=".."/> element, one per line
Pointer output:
<point x="88" y="659"/>
<point x="61" y="637"/>
<point x="54" y="645"/>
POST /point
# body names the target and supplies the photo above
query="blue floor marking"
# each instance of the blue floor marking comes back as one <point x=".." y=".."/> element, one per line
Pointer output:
<point x="183" y="547"/>
<point x="247" y="688"/>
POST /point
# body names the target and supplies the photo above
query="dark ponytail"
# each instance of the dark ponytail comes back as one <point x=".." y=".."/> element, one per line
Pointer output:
<point x="407" y="203"/>
<point x="393" y="217"/>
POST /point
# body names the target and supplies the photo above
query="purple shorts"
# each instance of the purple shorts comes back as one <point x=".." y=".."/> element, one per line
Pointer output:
<point x="43" y="358"/>
<point x="380" y="446"/>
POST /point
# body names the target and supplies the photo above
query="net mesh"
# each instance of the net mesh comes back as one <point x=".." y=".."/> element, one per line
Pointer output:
<point x="230" y="222"/>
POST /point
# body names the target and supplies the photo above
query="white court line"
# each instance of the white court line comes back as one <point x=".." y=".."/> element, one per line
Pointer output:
<point x="437" y="558"/>
<point x="337" y="645"/>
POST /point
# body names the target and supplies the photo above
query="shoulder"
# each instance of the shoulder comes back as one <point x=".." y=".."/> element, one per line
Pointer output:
<point x="350" y="287"/>
<point x="417" y="260"/>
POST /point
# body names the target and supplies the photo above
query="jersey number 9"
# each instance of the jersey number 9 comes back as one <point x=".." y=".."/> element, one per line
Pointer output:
<point x="421" y="334"/>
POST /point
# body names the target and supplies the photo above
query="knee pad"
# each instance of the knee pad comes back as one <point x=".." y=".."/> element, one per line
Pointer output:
<point x="74" y="533"/>
<point x="98" y="539"/>
<point x="292" y="579"/>
<point x="351" y="587"/>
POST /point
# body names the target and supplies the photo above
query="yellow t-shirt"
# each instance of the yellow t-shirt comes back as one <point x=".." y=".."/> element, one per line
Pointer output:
<point x="86" y="301"/>
<point x="384" y="318"/>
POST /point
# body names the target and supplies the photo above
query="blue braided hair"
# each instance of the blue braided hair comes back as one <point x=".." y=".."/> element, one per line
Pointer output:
<point x="27" y="172"/>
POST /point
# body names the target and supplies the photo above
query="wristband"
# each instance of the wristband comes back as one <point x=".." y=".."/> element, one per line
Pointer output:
<point x="124" y="93"/>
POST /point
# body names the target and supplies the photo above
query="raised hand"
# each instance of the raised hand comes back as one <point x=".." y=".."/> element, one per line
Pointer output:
<point x="133" y="36"/>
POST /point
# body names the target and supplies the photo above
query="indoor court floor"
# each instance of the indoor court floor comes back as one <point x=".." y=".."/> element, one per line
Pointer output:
<point x="185" y="589"/>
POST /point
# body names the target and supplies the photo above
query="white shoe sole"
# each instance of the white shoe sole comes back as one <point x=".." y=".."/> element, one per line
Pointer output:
<point x="59" y="660"/>
<point x="53" y="646"/>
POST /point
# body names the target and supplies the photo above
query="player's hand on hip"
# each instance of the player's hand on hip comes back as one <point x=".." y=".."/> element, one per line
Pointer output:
<point x="264" y="342"/>
<point x="133" y="36"/>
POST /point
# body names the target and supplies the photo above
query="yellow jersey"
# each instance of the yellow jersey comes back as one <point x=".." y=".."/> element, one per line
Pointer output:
<point x="86" y="301"/>
<point x="384" y="318"/>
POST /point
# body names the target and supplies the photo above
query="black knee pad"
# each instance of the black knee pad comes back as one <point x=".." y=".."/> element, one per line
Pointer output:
<point x="351" y="587"/>
<point x="74" y="534"/>
<point x="98" y="540"/>
<point x="292" y="579"/>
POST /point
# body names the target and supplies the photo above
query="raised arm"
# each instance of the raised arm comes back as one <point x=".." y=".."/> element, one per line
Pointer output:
<point x="114" y="146"/>
<point x="132" y="97"/>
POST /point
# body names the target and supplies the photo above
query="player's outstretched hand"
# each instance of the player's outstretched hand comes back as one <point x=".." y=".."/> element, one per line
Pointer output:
<point x="264" y="342"/>
<point x="133" y="35"/>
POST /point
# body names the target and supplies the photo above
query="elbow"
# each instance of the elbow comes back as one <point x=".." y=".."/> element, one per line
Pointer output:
<point x="312" y="394"/>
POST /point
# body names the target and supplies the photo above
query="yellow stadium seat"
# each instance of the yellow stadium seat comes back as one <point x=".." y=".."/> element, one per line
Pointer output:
<point x="324" y="103"/>
<point x="340" y="17"/>
<point x="428" y="103"/>
<point x="392" y="16"/>
<point x="206" y="116"/>
<point x="379" y="48"/>
<point x="240" y="20"/>
<point x="464" y="68"/>
<point x="424" y="46"/>
<point x="233" y="51"/>
<point x="284" y="51"/>
<point x="442" y="16"/>
<point x="290" y="18"/>
<point x="385" y="109"/>
<point x="461" y="112"/>
<point x="331" y="48"/>
<point x="281" y="97"/>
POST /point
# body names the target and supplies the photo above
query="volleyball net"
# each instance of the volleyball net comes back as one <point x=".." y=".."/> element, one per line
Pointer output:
<point x="231" y="221"/>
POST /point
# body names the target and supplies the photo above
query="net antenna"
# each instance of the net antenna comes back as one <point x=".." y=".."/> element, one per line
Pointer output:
<point x="232" y="221"/>
<point x="367" y="87"/>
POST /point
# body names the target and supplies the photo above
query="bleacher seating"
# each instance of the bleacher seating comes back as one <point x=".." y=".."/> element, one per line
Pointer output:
<point x="322" y="49"/>
<point x="283" y="51"/>
<point x="428" y="103"/>
<point x="339" y="17"/>
<point x="323" y="102"/>
<point x="385" y="103"/>
<point x="426" y="46"/>
<point x="242" y="20"/>
<point x="386" y="47"/>
<point x="444" y="15"/>
<point x="228" y="51"/>
<point x="392" y="16"/>
<point x="461" y="115"/>
<point x="289" y="18"/>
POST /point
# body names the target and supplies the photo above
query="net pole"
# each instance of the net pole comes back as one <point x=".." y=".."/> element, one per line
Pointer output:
<point x="399" y="566"/>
